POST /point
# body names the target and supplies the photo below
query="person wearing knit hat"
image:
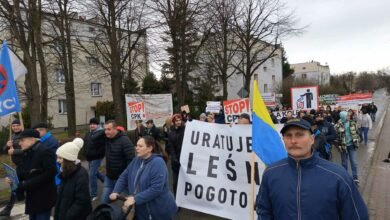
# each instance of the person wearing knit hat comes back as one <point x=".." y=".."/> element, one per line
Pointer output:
<point x="94" y="153"/>
<point x="13" y="149"/>
<point x="73" y="200"/>
<point x="36" y="174"/>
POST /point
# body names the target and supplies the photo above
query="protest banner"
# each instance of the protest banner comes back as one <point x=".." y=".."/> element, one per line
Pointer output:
<point x="354" y="99"/>
<point x="280" y="114"/>
<point x="11" y="173"/>
<point x="156" y="106"/>
<point x="215" y="170"/>
<point x="234" y="108"/>
<point x="304" y="98"/>
<point x="213" y="106"/>
<point x="136" y="110"/>
<point x="269" y="99"/>
<point x="328" y="99"/>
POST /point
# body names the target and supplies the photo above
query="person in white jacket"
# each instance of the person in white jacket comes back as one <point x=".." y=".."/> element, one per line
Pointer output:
<point x="364" y="124"/>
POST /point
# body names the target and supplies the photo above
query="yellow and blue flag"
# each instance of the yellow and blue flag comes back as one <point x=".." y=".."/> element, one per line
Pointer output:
<point x="266" y="142"/>
<point x="8" y="94"/>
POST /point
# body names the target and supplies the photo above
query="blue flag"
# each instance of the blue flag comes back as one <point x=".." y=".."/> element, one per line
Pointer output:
<point x="9" y="101"/>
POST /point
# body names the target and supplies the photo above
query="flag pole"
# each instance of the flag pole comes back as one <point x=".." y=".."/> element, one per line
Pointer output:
<point x="21" y="120"/>
<point x="10" y="126"/>
<point x="252" y="202"/>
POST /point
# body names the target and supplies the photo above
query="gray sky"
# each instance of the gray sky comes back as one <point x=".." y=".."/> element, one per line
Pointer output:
<point x="349" y="35"/>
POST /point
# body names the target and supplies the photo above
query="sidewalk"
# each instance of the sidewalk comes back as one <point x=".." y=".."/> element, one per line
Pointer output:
<point x="376" y="190"/>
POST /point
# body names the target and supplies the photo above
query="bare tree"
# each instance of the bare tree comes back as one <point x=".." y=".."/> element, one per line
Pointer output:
<point x="24" y="22"/>
<point x="60" y="20"/>
<point x="187" y="28"/>
<point x="122" y="29"/>
<point x="259" y="27"/>
<point x="221" y="48"/>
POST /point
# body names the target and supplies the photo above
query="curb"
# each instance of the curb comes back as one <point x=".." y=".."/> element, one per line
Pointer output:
<point x="376" y="135"/>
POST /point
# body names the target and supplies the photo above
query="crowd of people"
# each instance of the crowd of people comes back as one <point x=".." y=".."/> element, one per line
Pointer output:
<point x="51" y="176"/>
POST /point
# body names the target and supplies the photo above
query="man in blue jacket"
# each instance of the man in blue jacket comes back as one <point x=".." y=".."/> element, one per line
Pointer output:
<point x="48" y="141"/>
<point x="304" y="186"/>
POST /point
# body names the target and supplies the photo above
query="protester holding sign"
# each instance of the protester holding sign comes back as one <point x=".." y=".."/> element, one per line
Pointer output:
<point x="16" y="153"/>
<point x="146" y="179"/>
<point x="303" y="186"/>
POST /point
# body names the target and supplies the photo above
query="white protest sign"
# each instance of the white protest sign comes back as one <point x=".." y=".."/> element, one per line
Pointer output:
<point x="280" y="114"/>
<point x="213" y="106"/>
<point x="304" y="98"/>
<point x="234" y="108"/>
<point x="269" y="99"/>
<point x="215" y="170"/>
<point x="157" y="107"/>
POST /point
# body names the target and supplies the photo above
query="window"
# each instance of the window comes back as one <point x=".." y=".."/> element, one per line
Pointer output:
<point x="96" y="89"/>
<point x="91" y="29"/>
<point x="304" y="76"/>
<point x="62" y="106"/>
<point x="273" y="62"/>
<point x="273" y="79"/>
<point x="255" y="76"/>
<point x="60" y="76"/>
<point x="92" y="61"/>
<point x="265" y="88"/>
<point x="265" y="69"/>
<point x="303" y="68"/>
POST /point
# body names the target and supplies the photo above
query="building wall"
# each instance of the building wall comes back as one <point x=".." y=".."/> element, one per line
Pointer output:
<point x="312" y="71"/>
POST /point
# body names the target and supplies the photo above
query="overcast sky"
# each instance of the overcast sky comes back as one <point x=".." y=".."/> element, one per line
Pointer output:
<point x="349" y="35"/>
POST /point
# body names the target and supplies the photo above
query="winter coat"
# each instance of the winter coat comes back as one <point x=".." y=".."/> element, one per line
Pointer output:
<point x="364" y="121"/>
<point x="73" y="201"/>
<point x="328" y="130"/>
<point x="17" y="155"/>
<point x="119" y="152"/>
<point x="341" y="139"/>
<point x="319" y="144"/>
<point x="154" y="132"/>
<point x="311" y="188"/>
<point x="93" y="150"/>
<point x="36" y="178"/>
<point x="175" y="142"/>
<point x="48" y="141"/>
<point x="138" y="133"/>
<point x="148" y="180"/>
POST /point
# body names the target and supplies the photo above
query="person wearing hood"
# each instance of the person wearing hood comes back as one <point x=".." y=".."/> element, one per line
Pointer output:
<point x="73" y="200"/>
<point x="119" y="152"/>
<point x="347" y="139"/>
<point x="146" y="180"/>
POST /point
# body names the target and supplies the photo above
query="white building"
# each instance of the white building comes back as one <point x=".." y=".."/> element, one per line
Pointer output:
<point x="91" y="82"/>
<point x="312" y="71"/>
<point x="268" y="76"/>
